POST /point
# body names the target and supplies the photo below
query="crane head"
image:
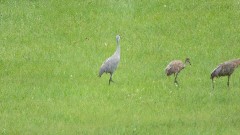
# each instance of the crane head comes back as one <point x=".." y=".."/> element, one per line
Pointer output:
<point x="118" y="38"/>
<point x="187" y="60"/>
<point x="212" y="75"/>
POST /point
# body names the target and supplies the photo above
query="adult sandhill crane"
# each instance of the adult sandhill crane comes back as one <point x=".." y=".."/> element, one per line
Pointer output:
<point x="175" y="67"/>
<point x="111" y="63"/>
<point x="225" y="69"/>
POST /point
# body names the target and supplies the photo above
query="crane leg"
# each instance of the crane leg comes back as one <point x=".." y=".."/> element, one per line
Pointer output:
<point x="110" y="80"/>
<point x="175" y="80"/>
<point x="228" y="81"/>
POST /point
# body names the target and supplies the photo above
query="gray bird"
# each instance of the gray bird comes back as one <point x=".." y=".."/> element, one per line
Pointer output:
<point x="225" y="69"/>
<point x="111" y="63"/>
<point x="174" y="67"/>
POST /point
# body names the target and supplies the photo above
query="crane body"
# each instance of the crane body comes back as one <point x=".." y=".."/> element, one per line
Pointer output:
<point x="111" y="63"/>
<point x="175" y="67"/>
<point x="225" y="69"/>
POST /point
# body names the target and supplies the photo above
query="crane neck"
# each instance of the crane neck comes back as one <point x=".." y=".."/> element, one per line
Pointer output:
<point x="237" y="61"/>
<point x="118" y="47"/>
<point x="187" y="62"/>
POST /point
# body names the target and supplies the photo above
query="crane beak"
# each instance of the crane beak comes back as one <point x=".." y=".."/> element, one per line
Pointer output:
<point x="189" y="63"/>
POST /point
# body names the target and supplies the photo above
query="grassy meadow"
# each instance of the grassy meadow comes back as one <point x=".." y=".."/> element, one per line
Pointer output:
<point x="51" y="52"/>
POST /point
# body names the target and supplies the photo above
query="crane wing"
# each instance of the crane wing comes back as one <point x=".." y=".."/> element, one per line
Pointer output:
<point x="223" y="69"/>
<point x="109" y="66"/>
<point x="104" y="67"/>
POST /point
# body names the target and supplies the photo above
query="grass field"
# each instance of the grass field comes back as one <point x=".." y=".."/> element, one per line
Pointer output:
<point x="51" y="52"/>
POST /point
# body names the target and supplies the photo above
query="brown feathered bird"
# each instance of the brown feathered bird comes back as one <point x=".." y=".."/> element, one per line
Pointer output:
<point x="225" y="69"/>
<point x="174" y="67"/>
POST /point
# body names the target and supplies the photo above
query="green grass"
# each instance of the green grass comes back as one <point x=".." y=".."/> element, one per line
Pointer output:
<point x="51" y="51"/>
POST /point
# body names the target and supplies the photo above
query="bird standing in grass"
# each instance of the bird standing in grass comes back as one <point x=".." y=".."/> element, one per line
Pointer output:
<point x="225" y="69"/>
<point x="111" y="63"/>
<point x="174" y="67"/>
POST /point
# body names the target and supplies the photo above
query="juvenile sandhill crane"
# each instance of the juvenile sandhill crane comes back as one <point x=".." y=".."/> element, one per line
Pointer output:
<point x="111" y="63"/>
<point x="175" y="67"/>
<point x="225" y="69"/>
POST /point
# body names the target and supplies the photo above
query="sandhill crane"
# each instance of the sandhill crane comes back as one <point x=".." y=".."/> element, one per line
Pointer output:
<point x="175" y="67"/>
<point x="111" y="63"/>
<point x="225" y="69"/>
